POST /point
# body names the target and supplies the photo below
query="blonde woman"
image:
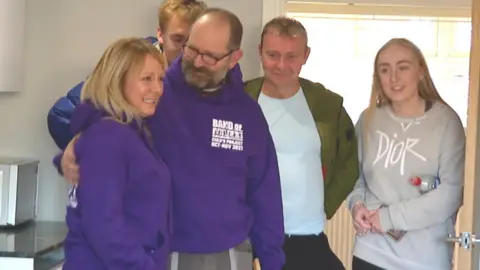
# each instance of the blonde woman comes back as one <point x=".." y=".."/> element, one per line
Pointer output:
<point x="118" y="214"/>
<point x="408" y="131"/>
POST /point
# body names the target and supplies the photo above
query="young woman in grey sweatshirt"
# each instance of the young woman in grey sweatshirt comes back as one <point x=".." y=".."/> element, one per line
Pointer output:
<point x="407" y="131"/>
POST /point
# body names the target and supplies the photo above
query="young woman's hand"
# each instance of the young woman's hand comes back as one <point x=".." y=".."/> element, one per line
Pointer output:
<point x="360" y="215"/>
<point x="375" y="222"/>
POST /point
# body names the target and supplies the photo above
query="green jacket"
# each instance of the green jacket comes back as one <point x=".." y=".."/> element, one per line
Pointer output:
<point x="337" y="134"/>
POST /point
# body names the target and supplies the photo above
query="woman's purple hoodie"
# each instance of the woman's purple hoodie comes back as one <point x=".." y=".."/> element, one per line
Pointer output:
<point x="119" y="214"/>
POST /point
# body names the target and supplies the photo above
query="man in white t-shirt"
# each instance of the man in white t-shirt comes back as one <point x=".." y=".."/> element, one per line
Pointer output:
<point x="315" y="143"/>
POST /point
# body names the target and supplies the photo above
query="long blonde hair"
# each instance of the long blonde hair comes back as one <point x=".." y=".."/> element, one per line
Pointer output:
<point x="105" y="86"/>
<point x="426" y="87"/>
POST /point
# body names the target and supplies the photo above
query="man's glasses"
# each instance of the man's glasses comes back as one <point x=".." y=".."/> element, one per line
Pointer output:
<point x="208" y="59"/>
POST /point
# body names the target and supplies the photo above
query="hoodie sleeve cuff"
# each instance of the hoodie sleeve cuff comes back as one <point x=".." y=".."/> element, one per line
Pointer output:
<point x="354" y="201"/>
<point x="267" y="264"/>
<point x="56" y="163"/>
<point x="385" y="220"/>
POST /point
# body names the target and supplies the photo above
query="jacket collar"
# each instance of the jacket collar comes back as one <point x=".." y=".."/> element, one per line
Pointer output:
<point x="255" y="87"/>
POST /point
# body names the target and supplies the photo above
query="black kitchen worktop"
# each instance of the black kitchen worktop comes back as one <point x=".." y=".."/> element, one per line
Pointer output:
<point x="41" y="241"/>
<point x="32" y="239"/>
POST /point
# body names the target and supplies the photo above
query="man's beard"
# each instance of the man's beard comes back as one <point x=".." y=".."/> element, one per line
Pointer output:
<point x="201" y="77"/>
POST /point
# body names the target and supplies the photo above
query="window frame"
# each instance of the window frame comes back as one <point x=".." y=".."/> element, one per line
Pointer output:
<point x="375" y="9"/>
<point x="439" y="47"/>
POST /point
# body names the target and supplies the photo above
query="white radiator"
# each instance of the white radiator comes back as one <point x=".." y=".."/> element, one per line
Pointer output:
<point x="341" y="235"/>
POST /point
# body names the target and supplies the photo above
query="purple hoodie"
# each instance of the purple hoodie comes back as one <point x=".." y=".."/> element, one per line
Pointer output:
<point x="118" y="215"/>
<point x="226" y="184"/>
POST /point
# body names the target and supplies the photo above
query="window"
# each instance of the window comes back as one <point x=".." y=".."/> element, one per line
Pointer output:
<point x="344" y="47"/>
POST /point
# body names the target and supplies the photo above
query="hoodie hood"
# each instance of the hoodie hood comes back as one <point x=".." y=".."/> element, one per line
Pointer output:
<point x="232" y="86"/>
<point x="86" y="114"/>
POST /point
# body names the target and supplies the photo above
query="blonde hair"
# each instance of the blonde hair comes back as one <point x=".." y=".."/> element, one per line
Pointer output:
<point x="285" y="26"/>
<point x="187" y="10"/>
<point x="426" y="87"/>
<point x="104" y="88"/>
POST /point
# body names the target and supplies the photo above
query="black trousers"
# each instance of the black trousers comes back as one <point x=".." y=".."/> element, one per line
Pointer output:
<point x="359" y="264"/>
<point x="310" y="252"/>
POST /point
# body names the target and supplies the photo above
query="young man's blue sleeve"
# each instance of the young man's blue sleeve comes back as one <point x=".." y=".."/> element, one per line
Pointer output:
<point x="56" y="163"/>
<point x="58" y="119"/>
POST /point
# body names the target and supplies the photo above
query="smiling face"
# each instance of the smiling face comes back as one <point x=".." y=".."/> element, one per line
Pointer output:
<point x="143" y="86"/>
<point x="399" y="73"/>
<point x="207" y="57"/>
<point x="283" y="57"/>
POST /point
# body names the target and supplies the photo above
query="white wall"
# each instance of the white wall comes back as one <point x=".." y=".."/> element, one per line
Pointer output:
<point x="64" y="40"/>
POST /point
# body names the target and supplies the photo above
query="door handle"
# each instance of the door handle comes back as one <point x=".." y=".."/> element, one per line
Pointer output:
<point x="466" y="240"/>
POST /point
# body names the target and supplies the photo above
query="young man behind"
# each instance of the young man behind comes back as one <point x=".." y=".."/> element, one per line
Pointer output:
<point x="314" y="140"/>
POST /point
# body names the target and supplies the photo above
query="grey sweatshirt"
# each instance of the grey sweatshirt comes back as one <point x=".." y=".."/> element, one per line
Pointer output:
<point x="395" y="150"/>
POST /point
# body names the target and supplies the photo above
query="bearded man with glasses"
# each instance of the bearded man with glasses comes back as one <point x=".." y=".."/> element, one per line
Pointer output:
<point x="201" y="69"/>
<point x="215" y="141"/>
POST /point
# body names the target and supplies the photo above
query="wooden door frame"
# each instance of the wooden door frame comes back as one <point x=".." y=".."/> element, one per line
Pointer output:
<point x="271" y="9"/>
<point x="463" y="258"/>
